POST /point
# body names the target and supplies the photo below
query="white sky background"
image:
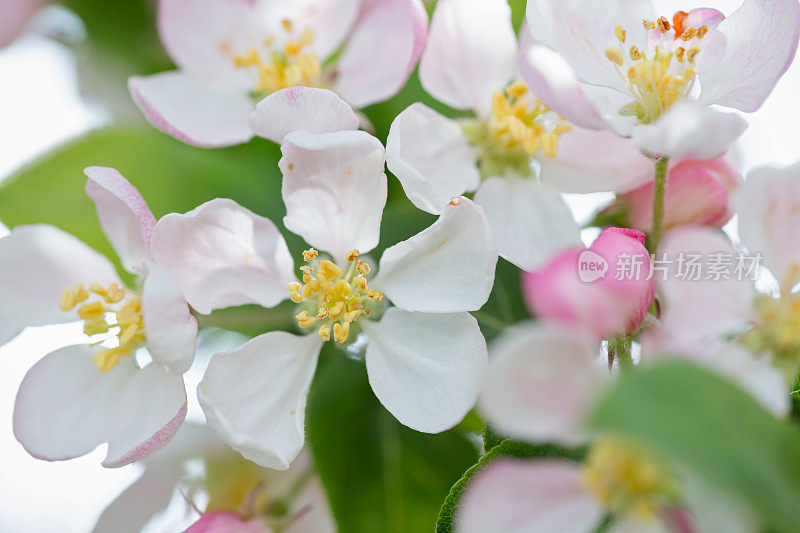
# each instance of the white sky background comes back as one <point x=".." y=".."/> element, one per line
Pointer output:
<point x="39" y="108"/>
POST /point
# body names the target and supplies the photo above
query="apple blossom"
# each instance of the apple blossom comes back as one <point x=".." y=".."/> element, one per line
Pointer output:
<point x="470" y="64"/>
<point x="80" y="396"/>
<point x="616" y="66"/>
<point x="232" y="53"/>
<point x="425" y="355"/>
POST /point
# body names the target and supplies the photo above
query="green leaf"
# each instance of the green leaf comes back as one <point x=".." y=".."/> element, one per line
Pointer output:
<point x="380" y="475"/>
<point x="696" y="419"/>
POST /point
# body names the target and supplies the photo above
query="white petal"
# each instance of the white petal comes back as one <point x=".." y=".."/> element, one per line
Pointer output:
<point x="334" y="188"/>
<point x="431" y="157"/>
<point x="690" y="130"/>
<point x="426" y="369"/>
<point x="759" y="41"/>
<point x="151" y="410"/>
<point x="769" y="217"/>
<point x="223" y="255"/>
<point x="124" y="215"/>
<point x="197" y="113"/>
<point x="171" y="328"/>
<point x="542" y="382"/>
<point x="255" y="397"/>
<point x="471" y="53"/>
<point x="66" y="407"/>
<point x="141" y="501"/>
<point x="446" y="268"/>
<point x="37" y="263"/>
<point x="301" y="108"/>
<point x="531" y="222"/>
<point x="537" y="496"/>
<point x="394" y="31"/>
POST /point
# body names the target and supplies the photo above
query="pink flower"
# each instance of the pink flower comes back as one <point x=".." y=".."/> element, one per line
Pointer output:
<point x="612" y="302"/>
<point x="227" y="522"/>
<point x="228" y="51"/>
<point x="16" y="14"/>
<point x="80" y="396"/>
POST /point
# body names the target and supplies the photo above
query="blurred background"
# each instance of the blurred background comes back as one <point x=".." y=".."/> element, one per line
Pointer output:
<point x="64" y="105"/>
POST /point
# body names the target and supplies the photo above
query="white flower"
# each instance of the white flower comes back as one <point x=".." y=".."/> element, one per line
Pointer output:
<point x="425" y="355"/>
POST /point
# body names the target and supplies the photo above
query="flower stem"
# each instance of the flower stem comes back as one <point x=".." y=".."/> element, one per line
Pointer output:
<point x="662" y="164"/>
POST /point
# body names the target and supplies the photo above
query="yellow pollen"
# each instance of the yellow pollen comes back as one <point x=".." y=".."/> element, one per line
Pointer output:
<point x="305" y="321"/>
<point x="636" y="55"/>
<point x="325" y="332"/>
<point x="777" y="331"/>
<point x="649" y="24"/>
<point x="352" y="256"/>
<point x="362" y="268"/>
<point x="615" y="56"/>
<point x="691" y="54"/>
<point x="517" y="89"/>
<point x="309" y="255"/>
<point x="328" y="270"/>
<point x="376" y="296"/>
<point x="663" y="25"/>
<point x="620" y="33"/>
<point x="341" y="331"/>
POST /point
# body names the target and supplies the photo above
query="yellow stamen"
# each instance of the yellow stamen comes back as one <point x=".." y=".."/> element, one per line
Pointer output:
<point x="309" y="255"/>
<point x="304" y="320"/>
<point x="620" y="33"/>
<point x="615" y="56"/>
<point x="352" y="256"/>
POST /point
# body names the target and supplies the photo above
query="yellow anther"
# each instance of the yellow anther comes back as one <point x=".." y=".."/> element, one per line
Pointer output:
<point x="341" y="290"/>
<point x="67" y="300"/>
<point x="114" y="294"/>
<point x="352" y="315"/>
<point x="352" y="256"/>
<point x="550" y="145"/>
<point x="336" y="309"/>
<point x="691" y="54"/>
<point x="294" y="287"/>
<point x="635" y="54"/>
<point x="322" y="313"/>
<point x="702" y="31"/>
<point x="307" y="273"/>
<point x="250" y="59"/>
<point x="663" y="25"/>
<point x="374" y="295"/>
<point x="127" y="334"/>
<point x="689" y="73"/>
<point x="362" y="268"/>
<point x="307" y="291"/>
<point x="517" y="89"/>
<point x="328" y="270"/>
<point x="360" y="282"/>
<point x="287" y="25"/>
<point x="615" y="56"/>
<point x="91" y="310"/>
<point x="304" y="320"/>
<point x="680" y="54"/>
<point x="341" y="332"/>
<point x="649" y="24"/>
<point x="689" y="34"/>
<point x="98" y="289"/>
<point x="620" y="33"/>
<point x="309" y="255"/>
<point x="95" y="327"/>
<point x="325" y="333"/>
<point x="79" y="293"/>
<point x="296" y="297"/>
<point x="108" y="359"/>
<point x="500" y="106"/>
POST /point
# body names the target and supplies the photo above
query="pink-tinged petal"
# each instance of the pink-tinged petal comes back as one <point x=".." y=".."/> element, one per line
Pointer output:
<point x="392" y="30"/>
<point x="301" y="108"/>
<point x="769" y="217"/>
<point x="426" y="369"/>
<point x="690" y="130"/>
<point x="701" y="308"/>
<point x="595" y="161"/>
<point x="151" y="410"/>
<point x="16" y="14"/>
<point x="171" y="328"/>
<point x="697" y="194"/>
<point x="446" y="268"/>
<point x="334" y="188"/>
<point x="223" y="255"/>
<point x="431" y="157"/>
<point x="751" y="50"/>
<point x="66" y="407"/>
<point x="255" y="397"/>
<point x="540" y="496"/>
<point x="471" y="53"/>
<point x="604" y="289"/>
<point x="37" y="263"/>
<point x="227" y="522"/>
<point x="542" y="382"/>
<point x="124" y="215"/>
<point x="201" y="36"/>
<point x="200" y="114"/>
<point x="704" y="16"/>
<point x="553" y="80"/>
<point x="531" y="222"/>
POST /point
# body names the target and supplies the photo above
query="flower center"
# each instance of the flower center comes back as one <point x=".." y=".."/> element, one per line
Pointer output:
<point x="658" y="81"/>
<point x="104" y="309"/>
<point x="518" y="128"/>
<point x="334" y="299"/>
<point x="777" y="331"/>
<point x="625" y="479"/>
<point x="279" y="67"/>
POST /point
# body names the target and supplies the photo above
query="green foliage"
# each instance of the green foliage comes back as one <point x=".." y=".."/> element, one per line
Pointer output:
<point x="379" y="475"/>
<point x="697" y="420"/>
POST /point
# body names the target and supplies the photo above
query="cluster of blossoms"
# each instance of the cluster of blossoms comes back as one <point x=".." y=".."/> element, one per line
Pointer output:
<point x="589" y="97"/>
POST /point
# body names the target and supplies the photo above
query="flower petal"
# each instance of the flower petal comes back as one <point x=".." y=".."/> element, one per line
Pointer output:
<point x="171" y="328"/>
<point x="426" y="369"/>
<point x="539" y="496"/>
<point x="255" y="397"/>
<point x="446" y="268"/>
<point x="37" y="263"/>
<point x="691" y="130"/>
<point x="223" y="255"/>
<point x="769" y="215"/>
<point x="531" y="222"/>
<point x="202" y="35"/>
<point x="196" y="113"/>
<point x="542" y="382"/>
<point x="66" y="407"/>
<point x="124" y="215"/>
<point x="227" y="522"/>
<point x="759" y="41"/>
<point x="471" y="53"/>
<point x="431" y="157"/>
<point x="334" y="188"/>
<point x="151" y="410"/>
<point x="301" y="108"/>
<point x="392" y="30"/>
